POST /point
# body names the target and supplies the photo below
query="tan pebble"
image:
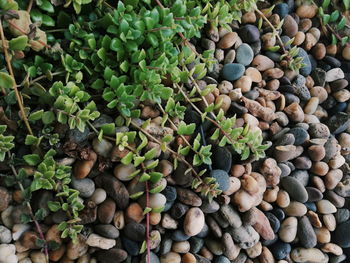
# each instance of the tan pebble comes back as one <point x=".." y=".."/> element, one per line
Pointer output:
<point x="311" y="119"/>
<point x="118" y="220"/>
<point x="332" y="248"/>
<point x="155" y="218"/>
<point x="205" y="252"/>
<point x="309" y="42"/>
<point x="323" y="235"/>
<point x="319" y="92"/>
<point x="288" y="229"/>
<point x="254" y="251"/>
<point x="250" y="120"/>
<point x="325" y="207"/>
<point x="295" y="209"/>
<point x="336" y="162"/>
<point x="319" y="168"/>
<point x="223" y="31"/>
<point x="263" y="125"/>
<point x="269" y="40"/>
<point x="216" y="92"/>
<point x="281" y="103"/>
<point x="225" y="102"/>
<point x="309" y="82"/>
<point x="299" y="38"/>
<point x="134" y="213"/>
<point x="262" y="63"/>
<point x="254" y="74"/>
<point x="319" y="51"/>
<point x="273" y="84"/>
<point x="249" y="184"/>
<point x="331" y="50"/>
<point x="56" y="255"/>
<point x="194" y="221"/>
<point x="342" y="95"/>
<point x="82" y="168"/>
<point x="329" y="222"/>
<point x="315" y="32"/>
<point x="235" y="184"/>
<point x="275" y="19"/>
<point x="307" y="11"/>
<point x="225" y="87"/>
<point x="228" y="40"/>
<point x="265" y="206"/>
<point x="334" y="74"/>
<point x="257" y="110"/>
<point x="188" y="258"/>
<point x="77" y="249"/>
<point x="290" y="26"/>
<point x="295" y="112"/>
<point x="237" y="170"/>
<point x="344" y="140"/>
<point x="249" y="18"/>
<point x="274" y="73"/>
<point x="311" y="105"/>
<point x="332" y="178"/>
<point x="266" y="256"/>
<point x="270" y="195"/>
<point x="305" y="24"/>
<point x="304" y="255"/>
<point x="316" y="152"/>
<point x="244" y="83"/>
<point x="170" y="257"/>
<point x="235" y="95"/>
<point x="283" y="199"/>
<point x="181" y="247"/>
<point x="314" y="219"/>
<point x="318" y="183"/>
<point x="168" y="222"/>
<point x="346" y="52"/>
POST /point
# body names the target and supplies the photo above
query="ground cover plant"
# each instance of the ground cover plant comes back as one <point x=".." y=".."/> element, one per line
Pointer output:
<point x="121" y="121"/>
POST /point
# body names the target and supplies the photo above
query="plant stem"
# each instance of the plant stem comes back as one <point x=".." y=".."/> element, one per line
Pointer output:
<point x="44" y="76"/>
<point x="37" y="225"/>
<point x="336" y="34"/>
<point x="273" y="29"/>
<point x="9" y="66"/>
<point x="148" y="242"/>
<point x="30" y="5"/>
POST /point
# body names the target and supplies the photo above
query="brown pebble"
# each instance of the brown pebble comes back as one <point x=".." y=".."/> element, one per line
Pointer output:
<point x="299" y="38"/>
<point x="331" y="50"/>
<point x="262" y="63"/>
<point x="134" y="213"/>
<point x="295" y="112"/>
<point x="188" y="258"/>
<point x="319" y="51"/>
<point x="305" y="24"/>
<point x="228" y="40"/>
<point x="307" y="11"/>
<point x="314" y="219"/>
<point x="319" y="168"/>
<point x="82" y="168"/>
<point x="316" y="152"/>
<point x="346" y="52"/>
<point x="254" y="74"/>
<point x="323" y="235"/>
<point x="106" y="211"/>
<point x="318" y="183"/>
<point x="274" y="73"/>
<point x="237" y="170"/>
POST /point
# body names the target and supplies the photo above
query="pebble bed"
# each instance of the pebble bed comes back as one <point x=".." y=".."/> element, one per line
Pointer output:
<point x="292" y="206"/>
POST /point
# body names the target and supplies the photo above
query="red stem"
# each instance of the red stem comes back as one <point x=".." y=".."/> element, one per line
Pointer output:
<point x="148" y="226"/>
<point x="41" y="234"/>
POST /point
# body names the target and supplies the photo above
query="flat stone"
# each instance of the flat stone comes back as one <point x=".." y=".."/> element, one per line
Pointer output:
<point x="232" y="71"/>
<point x="306" y="234"/>
<point x="338" y="122"/>
<point x="222" y="178"/>
<point x="295" y="189"/>
<point x="244" y="54"/>
<point x="305" y="71"/>
<point x="221" y="158"/>
<point x="230" y="214"/>
<point x="249" y="33"/>
<point x="245" y="236"/>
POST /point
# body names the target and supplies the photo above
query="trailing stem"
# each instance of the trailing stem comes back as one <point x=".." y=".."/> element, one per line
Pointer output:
<point x="9" y="67"/>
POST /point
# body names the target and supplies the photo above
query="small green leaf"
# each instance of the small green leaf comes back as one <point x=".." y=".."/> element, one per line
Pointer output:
<point x="31" y="140"/>
<point x="32" y="159"/>
<point x="136" y="195"/>
<point x="128" y="158"/>
<point x="18" y="43"/>
<point x="54" y="206"/>
<point x="6" y="81"/>
<point x="341" y="23"/>
<point x="150" y="154"/>
<point x="37" y="115"/>
<point x="155" y="177"/>
<point x="48" y="117"/>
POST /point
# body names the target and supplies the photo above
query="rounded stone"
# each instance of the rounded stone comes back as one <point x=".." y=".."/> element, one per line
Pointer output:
<point x="295" y="189"/>
<point x="244" y="54"/>
<point x="232" y="71"/>
<point x="86" y="186"/>
<point x="194" y="221"/>
<point x="222" y="178"/>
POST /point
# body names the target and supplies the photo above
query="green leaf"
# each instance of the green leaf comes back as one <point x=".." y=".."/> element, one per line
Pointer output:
<point x="6" y="81"/>
<point x="334" y="16"/>
<point x="18" y="43"/>
<point x="325" y="4"/>
<point x="54" y="206"/>
<point x="47" y="6"/>
<point x="48" y="117"/>
<point x="128" y="158"/>
<point x="184" y="129"/>
<point x="31" y="140"/>
<point x="326" y="19"/>
<point x="37" y="115"/>
<point x="138" y="160"/>
<point x="155" y="177"/>
<point x="136" y="195"/>
<point x="32" y="159"/>
<point x="341" y="23"/>
<point x="150" y="154"/>
<point x="215" y="135"/>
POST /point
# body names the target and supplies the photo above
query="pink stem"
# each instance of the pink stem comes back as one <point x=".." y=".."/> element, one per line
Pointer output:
<point x="148" y="226"/>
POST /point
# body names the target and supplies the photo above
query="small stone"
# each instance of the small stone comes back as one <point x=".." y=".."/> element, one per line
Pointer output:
<point x="244" y="83"/>
<point x="188" y="197"/>
<point x="280" y="250"/>
<point x="262" y="63"/>
<point x="338" y="122"/>
<point x="99" y="196"/>
<point x="231" y="215"/>
<point x="5" y="199"/>
<point x="102" y="147"/>
<point x="281" y="9"/>
<point x="306" y="233"/>
<point x="295" y="112"/>
<point x="123" y="172"/>
<point x="290" y="26"/>
<point x="106" y="211"/>
<point x="260" y="223"/>
<point x="228" y="40"/>
<point x="319" y="130"/>
<point x="222" y="178"/>
<point x="300" y="135"/>
<point x="225" y="87"/>
<point x="77" y="249"/>
<point x="230" y="56"/>
<point x="334" y="74"/>
<point x="170" y="257"/>
<point x="307" y="11"/>
<point x="107" y="231"/>
<point x="295" y="209"/>
<point x="244" y="54"/>
<point x="249" y="33"/>
<point x="326" y="207"/>
<point x="193" y="222"/>
<point x="308" y="255"/>
<point x="135" y="231"/>
<point x="306" y="70"/>
<point x="232" y="71"/>
<point x="245" y="236"/>
<point x="254" y="74"/>
<point x="288" y="229"/>
<point x="95" y="240"/>
<point x="86" y="186"/>
<point x="114" y="255"/>
<point x="295" y="189"/>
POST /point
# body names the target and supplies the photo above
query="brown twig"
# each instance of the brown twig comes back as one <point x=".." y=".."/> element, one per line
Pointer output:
<point x="336" y="34"/>
<point x="30" y="5"/>
<point x="262" y="15"/>
<point x="159" y="3"/>
<point x="9" y="67"/>
<point x="148" y="241"/>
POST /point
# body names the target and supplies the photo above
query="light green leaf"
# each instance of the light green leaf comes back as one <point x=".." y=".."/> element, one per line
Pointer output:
<point x="18" y="43"/>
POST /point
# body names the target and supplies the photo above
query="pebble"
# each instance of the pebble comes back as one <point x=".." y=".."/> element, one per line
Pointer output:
<point x="99" y="196"/>
<point x="262" y="63"/>
<point x="228" y="40"/>
<point x="5" y="199"/>
<point x="295" y="209"/>
<point x="232" y="71"/>
<point x="107" y="231"/>
<point x="338" y="123"/>
<point x="288" y="229"/>
<point x="244" y="54"/>
<point x="306" y="70"/>
<point x="306" y="233"/>
<point x="325" y="207"/>
<point x="249" y="33"/>
<point x="222" y="178"/>
<point x="334" y="74"/>
<point x="193" y="222"/>
<point x="280" y="250"/>
<point x="290" y="26"/>
<point x="95" y="240"/>
<point x="86" y="186"/>
<point x="106" y="211"/>
<point x="308" y="255"/>
<point x="5" y="235"/>
<point x="230" y="215"/>
<point x="245" y="236"/>
<point x="170" y="257"/>
<point x="114" y="255"/>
